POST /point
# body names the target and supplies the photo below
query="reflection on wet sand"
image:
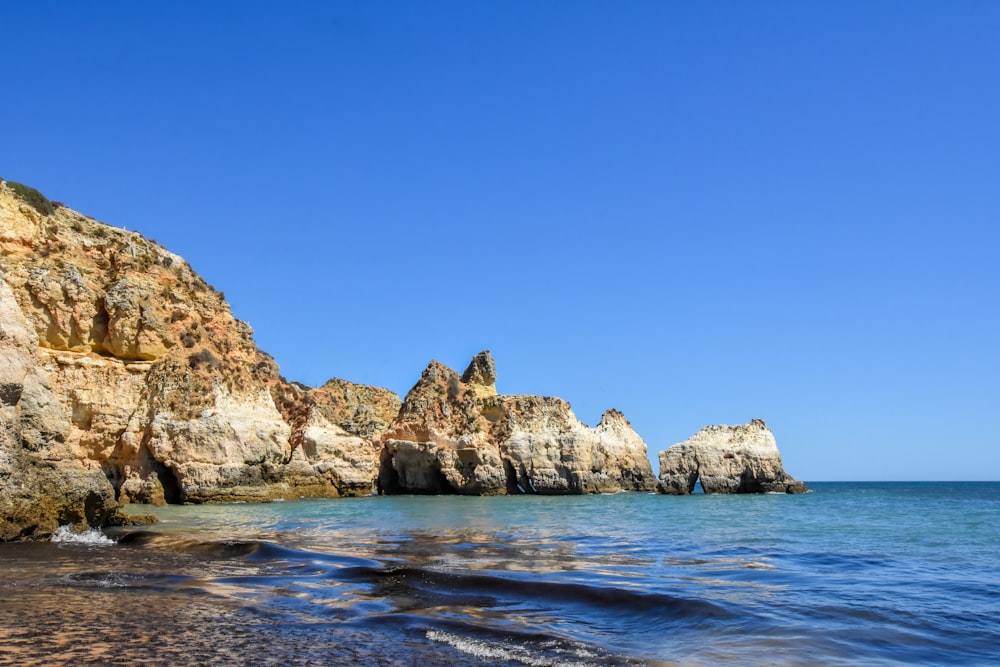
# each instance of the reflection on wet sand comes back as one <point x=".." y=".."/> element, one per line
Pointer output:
<point x="162" y="600"/>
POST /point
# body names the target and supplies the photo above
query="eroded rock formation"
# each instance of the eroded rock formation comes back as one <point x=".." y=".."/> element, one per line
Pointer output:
<point x="455" y="434"/>
<point x="125" y="378"/>
<point x="150" y="386"/>
<point x="335" y="431"/>
<point x="42" y="485"/>
<point x="727" y="459"/>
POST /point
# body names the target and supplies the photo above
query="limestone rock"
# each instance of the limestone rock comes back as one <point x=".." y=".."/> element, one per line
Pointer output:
<point x="451" y="436"/>
<point x="127" y="371"/>
<point x="358" y="409"/>
<point x="159" y="381"/>
<point x="334" y="429"/>
<point x="42" y="486"/>
<point x="433" y="444"/>
<point x="727" y="459"/>
<point x="224" y="452"/>
<point x="481" y="375"/>
<point x="124" y="376"/>
<point x="133" y="329"/>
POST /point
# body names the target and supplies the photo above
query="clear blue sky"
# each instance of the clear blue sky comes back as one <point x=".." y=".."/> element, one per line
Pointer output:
<point x="696" y="212"/>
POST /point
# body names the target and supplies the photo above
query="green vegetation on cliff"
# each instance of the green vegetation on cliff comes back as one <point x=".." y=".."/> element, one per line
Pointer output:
<point x="33" y="197"/>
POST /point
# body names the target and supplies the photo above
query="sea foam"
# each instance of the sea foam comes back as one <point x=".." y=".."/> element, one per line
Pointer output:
<point x="501" y="651"/>
<point x="93" y="536"/>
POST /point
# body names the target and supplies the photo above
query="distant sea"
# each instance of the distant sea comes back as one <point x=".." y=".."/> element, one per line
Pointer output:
<point x="850" y="573"/>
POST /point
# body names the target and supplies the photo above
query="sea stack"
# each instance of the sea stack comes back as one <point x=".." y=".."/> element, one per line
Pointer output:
<point x="727" y="459"/>
<point x="455" y="434"/>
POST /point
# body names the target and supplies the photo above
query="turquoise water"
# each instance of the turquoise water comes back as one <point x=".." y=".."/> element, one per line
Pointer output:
<point x="851" y="573"/>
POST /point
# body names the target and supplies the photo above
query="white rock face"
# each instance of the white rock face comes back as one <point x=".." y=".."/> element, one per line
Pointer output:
<point x="727" y="459"/>
<point x="224" y="452"/>
<point x="551" y="451"/>
<point x="348" y="461"/>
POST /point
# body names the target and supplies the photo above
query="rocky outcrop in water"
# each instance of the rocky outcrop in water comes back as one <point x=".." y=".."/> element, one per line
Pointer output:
<point x="727" y="459"/>
<point x="455" y="434"/>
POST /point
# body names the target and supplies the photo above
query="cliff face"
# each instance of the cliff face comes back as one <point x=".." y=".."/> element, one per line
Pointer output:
<point x="43" y="485"/>
<point x="454" y="434"/>
<point x="727" y="459"/>
<point x="334" y="434"/>
<point x="125" y="378"/>
<point x="154" y="387"/>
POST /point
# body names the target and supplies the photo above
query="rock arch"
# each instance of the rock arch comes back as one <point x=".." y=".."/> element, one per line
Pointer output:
<point x="726" y="459"/>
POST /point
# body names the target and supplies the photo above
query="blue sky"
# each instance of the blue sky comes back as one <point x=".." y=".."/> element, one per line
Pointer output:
<point x="696" y="212"/>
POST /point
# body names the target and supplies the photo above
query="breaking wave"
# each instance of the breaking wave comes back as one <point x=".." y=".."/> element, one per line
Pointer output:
<point x="94" y="537"/>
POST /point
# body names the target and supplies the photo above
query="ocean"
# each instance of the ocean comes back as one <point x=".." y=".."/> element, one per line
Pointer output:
<point x="848" y="574"/>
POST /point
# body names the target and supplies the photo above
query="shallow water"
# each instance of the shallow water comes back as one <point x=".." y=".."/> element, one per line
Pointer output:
<point x="849" y="574"/>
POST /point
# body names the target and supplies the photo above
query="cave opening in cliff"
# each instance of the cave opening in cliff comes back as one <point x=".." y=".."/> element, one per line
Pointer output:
<point x="444" y="487"/>
<point x="168" y="480"/>
<point x="387" y="481"/>
<point x="698" y="488"/>
<point x="114" y="474"/>
<point x="99" y="328"/>
<point x="513" y="488"/>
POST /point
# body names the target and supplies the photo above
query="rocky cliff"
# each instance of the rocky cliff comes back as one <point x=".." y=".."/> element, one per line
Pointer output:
<point x="727" y="459"/>
<point x="335" y="436"/>
<point x="455" y="434"/>
<point x="124" y="377"/>
<point x="149" y="383"/>
<point x="42" y="484"/>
